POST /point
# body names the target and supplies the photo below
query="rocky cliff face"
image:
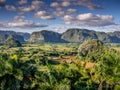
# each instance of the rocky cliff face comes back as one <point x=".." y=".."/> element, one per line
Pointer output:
<point x="80" y="35"/>
<point x="46" y="36"/>
<point x="4" y="37"/>
<point x="19" y="36"/>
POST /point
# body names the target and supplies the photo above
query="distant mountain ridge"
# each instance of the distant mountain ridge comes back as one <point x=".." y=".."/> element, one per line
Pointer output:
<point x="20" y="36"/>
<point x="46" y="36"/>
<point x="75" y="35"/>
<point x="80" y="35"/>
<point x="11" y="42"/>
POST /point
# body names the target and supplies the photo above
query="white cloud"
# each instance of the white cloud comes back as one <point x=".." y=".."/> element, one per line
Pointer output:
<point x="2" y="24"/>
<point x="68" y="22"/>
<point x="68" y="18"/>
<point x="65" y="4"/>
<point x="112" y="28"/>
<point x="44" y="15"/>
<point x="60" y="4"/>
<point x="89" y="19"/>
<point x="70" y="11"/>
<point x="88" y="16"/>
<point x="65" y="12"/>
<point x="55" y="4"/>
<point x="88" y="3"/>
<point x="10" y="7"/>
<point x="67" y="7"/>
<point x="60" y="29"/>
<point x="21" y="2"/>
<point x="27" y="9"/>
<point x="19" y="18"/>
<point x="20" y="22"/>
<point x="35" y="5"/>
<point x="38" y="3"/>
<point x="59" y="13"/>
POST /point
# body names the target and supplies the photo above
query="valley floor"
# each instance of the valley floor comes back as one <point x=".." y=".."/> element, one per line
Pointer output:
<point x="53" y="67"/>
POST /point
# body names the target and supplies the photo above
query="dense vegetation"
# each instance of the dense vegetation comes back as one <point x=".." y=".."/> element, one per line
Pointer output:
<point x="59" y="67"/>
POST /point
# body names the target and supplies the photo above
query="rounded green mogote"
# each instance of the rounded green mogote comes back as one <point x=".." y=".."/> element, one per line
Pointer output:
<point x="11" y="42"/>
<point x="92" y="50"/>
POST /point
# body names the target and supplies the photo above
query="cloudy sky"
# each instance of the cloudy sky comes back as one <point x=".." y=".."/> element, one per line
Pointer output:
<point x="59" y="15"/>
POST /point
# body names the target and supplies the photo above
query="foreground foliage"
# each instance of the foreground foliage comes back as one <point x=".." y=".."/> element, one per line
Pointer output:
<point x="38" y="73"/>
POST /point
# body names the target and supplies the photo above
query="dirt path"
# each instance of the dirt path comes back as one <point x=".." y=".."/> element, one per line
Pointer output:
<point x="70" y="59"/>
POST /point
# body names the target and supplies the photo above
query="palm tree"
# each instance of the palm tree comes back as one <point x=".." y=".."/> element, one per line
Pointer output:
<point x="15" y="75"/>
<point x="107" y="71"/>
<point x="9" y="76"/>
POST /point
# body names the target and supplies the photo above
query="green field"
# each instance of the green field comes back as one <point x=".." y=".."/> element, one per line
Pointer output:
<point x="56" y="67"/>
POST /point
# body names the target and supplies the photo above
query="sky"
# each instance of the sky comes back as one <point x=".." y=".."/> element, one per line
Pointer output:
<point x="59" y="15"/>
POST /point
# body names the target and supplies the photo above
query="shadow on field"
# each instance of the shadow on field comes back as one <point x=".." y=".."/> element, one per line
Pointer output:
<point x="53" y="62"/>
